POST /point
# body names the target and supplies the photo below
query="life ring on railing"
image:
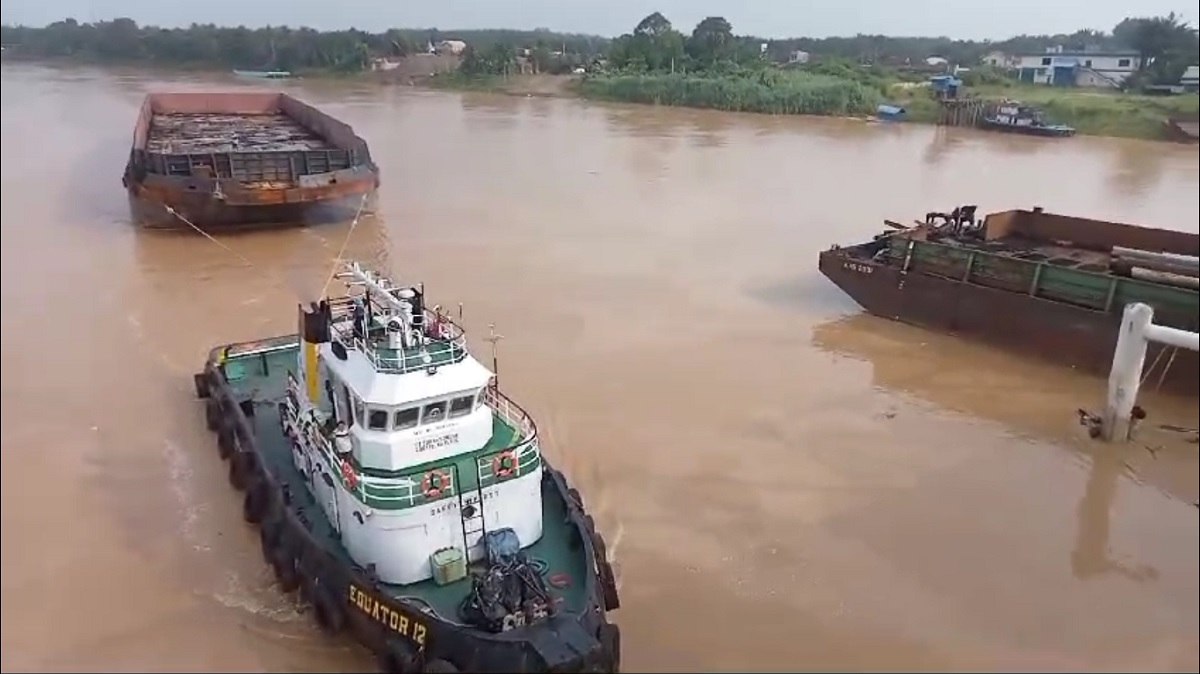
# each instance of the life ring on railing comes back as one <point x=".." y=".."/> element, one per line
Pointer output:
<point x="434" y="483"/>
<point x="349" y="475"/>
<point x="505" y="463"/>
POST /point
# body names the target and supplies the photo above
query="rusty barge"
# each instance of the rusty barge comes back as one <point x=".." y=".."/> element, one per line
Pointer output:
<point x="244" y="159"/>
<point x="1052" y="286"/>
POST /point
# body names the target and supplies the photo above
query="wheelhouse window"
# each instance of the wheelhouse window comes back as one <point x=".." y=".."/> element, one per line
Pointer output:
<point x="481" y="399"/>
<point x="462" y="406"/>
<point x="434" y="412"/>
<point x="1123" y="63"/>
<point x="406" y="418"/>
<point x="377" y="420"/>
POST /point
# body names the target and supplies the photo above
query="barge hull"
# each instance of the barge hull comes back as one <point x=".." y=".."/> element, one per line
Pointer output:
<point x="1054" y="331"/>
<point x="207" y="212"/>
<point x="244" y="159"/>
<point x="344" y="598"/>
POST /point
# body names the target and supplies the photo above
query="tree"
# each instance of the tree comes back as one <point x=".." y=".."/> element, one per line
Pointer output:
<point x="712" y="41"/>
<point x="654" y="45"/>
<point x="272" y="47"/>
<point x="498" y="59"/>
<point x="653" y="25"/>
<point x="1167" y="45"/>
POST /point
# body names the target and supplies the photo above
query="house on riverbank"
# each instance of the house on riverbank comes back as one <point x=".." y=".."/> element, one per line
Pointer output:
<point x="1191" y="79"/>
<point x="1058" y="67"/>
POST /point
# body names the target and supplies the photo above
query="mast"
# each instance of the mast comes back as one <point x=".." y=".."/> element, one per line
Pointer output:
<point x="375" y="283"/>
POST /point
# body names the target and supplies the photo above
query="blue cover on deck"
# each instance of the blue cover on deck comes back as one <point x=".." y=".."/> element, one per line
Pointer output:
<point x="502" y="545"/>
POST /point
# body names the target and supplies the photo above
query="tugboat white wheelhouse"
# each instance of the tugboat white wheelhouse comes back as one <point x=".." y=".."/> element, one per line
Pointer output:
<point x="404" y="496"/>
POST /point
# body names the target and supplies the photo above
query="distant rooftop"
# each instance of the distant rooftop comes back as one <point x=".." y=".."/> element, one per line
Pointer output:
<point x="1081" y="52"/>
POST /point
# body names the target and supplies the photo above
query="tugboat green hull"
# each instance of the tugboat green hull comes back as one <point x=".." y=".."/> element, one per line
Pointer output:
<point x="410" y="628"/>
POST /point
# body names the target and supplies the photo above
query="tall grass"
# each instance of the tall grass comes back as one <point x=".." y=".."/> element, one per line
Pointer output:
<point x="769" y="92"/>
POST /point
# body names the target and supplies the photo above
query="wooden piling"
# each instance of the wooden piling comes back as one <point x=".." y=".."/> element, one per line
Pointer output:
<point x="960" y="111"/>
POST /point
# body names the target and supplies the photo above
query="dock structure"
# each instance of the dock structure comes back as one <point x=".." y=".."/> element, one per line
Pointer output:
<point x="1137" y="330"/>
<point x="961" y="111"/>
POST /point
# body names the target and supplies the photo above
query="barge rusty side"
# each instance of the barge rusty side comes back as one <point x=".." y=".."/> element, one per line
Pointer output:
<point x="244" y="159"/>
<point x="1034" y="282"/>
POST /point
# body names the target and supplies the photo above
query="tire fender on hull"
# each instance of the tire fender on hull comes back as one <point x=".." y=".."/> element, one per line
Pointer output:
<point x="327" y="611"/>
<point x="609" y="637"/>
<point x="254" y="503"/>
<point x="243" y="470"/>
<point x="398" y="657"/>
<point x="200" y="383"/>
<point x="226" y="438"/>
<point x="604" y="571"/>
<point x="212" y="414"/>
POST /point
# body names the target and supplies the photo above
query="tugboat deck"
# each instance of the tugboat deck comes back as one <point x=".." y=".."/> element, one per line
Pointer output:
<point x="263" y="368"/>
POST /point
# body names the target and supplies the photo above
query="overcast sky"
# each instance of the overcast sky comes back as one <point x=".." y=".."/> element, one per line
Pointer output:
<point x="768" y="18"/>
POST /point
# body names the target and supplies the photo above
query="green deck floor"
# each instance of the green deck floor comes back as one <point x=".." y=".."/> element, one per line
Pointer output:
<point x="265" y="376"/>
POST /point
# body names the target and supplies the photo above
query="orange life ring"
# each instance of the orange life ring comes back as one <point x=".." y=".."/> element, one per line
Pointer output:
<point x="434" y="483"/>
<point x="504" y="464"/>
<point x="349" y="475"/>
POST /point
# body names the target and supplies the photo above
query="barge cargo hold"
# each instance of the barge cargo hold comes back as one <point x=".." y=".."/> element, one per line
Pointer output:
<point x="1052" y="286"/>
<point x="244" y="159"/>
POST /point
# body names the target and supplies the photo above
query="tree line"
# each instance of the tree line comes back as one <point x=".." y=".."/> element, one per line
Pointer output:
<point x="1168" y="45"/>
<point x="270" y="48"/>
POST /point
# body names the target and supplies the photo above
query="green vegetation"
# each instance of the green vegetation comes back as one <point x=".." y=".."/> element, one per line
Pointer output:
<point x="709" y="67"/>
<point x="767" y="91"/>
<point x="273" y="48"/>
<point x="713" y="68"/>
<point x="1092" y="112"/>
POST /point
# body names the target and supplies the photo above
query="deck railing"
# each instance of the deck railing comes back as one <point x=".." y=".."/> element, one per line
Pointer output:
<point x="447" y="343"/>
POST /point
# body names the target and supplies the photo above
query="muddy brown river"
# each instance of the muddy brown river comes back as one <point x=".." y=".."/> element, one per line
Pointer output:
<point x="785" y="483"/>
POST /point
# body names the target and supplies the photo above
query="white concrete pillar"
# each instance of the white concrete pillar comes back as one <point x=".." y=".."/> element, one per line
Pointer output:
<point x="1126" y="374"/>
<point x="1137" y="330"/>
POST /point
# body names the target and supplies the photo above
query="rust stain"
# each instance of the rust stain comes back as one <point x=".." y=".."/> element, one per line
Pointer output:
<point x="262" y="195"/>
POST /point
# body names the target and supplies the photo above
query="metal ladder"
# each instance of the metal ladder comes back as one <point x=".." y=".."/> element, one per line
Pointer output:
<point x="471" y="515"/>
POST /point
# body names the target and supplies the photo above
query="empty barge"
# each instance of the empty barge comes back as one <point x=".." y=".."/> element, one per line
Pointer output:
<point x="1049" y="285"/>
<point x="244" y="159"/>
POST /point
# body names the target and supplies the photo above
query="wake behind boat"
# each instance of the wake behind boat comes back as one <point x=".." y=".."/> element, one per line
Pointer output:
<point x="405" y="496"/>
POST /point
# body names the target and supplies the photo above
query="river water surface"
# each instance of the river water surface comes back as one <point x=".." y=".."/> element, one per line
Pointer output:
<point x="785" y="482"/>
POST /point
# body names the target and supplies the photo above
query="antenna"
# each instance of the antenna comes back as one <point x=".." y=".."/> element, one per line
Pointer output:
<point x="492" y="338"/>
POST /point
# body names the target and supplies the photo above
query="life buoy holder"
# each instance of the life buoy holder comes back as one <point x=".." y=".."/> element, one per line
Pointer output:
<point x="435" y="483"/>
<point x="348" y="474"/>
<point x="505" y="463"/>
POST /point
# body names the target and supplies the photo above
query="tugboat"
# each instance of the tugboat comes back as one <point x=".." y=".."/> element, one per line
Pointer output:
<point x="406" y="497"/>
<point x="1014" y="117"/>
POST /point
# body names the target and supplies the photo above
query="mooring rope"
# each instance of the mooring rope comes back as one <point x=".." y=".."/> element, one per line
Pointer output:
<point x="283" y="285"/>
<point x="337" y="261"/>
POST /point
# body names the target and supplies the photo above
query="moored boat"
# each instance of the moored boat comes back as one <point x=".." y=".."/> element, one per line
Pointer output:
<point x="1024" y="119"/>
<point x="405" y="496"/>
<point x="263" y="74"/>
<point x="1050" y="285"/>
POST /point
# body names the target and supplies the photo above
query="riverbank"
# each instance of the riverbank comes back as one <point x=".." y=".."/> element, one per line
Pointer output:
<point x="1092" y="112"/>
